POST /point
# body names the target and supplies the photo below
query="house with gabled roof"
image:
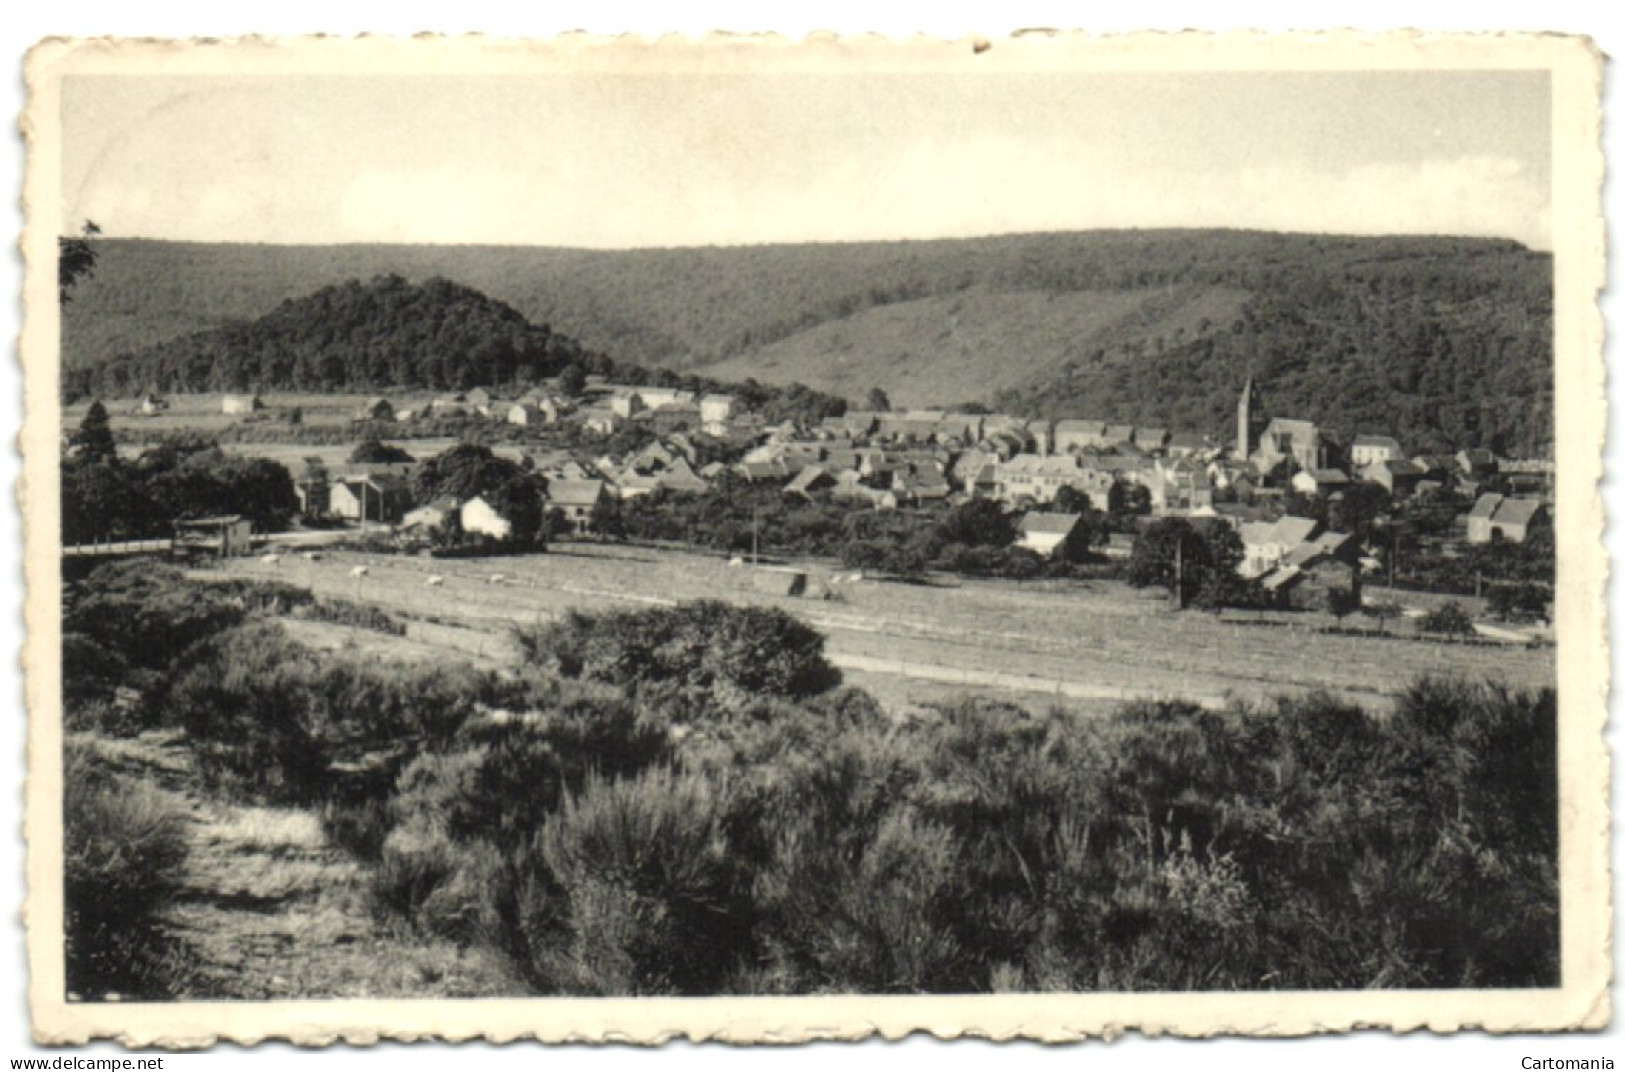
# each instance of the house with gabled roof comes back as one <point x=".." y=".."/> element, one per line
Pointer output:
<point x="379" y="496"/>
<point x="1074" y="435"/>
<point x="680" y="476"/>
<point x="1398" y="476"/>
<point x="577" y="500"/>
<point x="1371" y="449"/>
<point x="1499" y="517"/>
<point x="1476" y="462"/>
<point x="1151" y="440"/>
<point x="1187" y="444"/>
<point x="1266" y="543"/>
<point x="1045" y="533"/>
<point x="811" y="479"/>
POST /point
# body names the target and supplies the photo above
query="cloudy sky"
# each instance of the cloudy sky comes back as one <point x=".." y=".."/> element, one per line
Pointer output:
<point x="618" y="160"/>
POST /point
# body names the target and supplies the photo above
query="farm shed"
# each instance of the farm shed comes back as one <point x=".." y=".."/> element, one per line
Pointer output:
<point x="229" y="536"/>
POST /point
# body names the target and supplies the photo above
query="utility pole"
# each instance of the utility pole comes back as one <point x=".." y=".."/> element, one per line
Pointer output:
<point x="1179" y="572"/>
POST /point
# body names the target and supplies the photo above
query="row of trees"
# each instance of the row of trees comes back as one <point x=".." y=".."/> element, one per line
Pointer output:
<point x="106" y="497"/>
<point x="734" y="515"/>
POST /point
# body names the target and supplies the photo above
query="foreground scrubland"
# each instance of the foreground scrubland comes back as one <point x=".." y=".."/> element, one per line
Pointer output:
<point x="687" y="800"/>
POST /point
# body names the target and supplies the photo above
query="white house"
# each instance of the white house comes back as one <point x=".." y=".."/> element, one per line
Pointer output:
<point x="1044" y="533"/>
<point x="481" y="517"/>
<point x="1372" y="449"/>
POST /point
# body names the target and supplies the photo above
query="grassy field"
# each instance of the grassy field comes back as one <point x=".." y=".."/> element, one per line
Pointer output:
<point x="1079" y="644"/>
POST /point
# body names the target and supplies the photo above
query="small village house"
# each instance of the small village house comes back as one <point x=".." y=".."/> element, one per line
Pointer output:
<point x="1319" y="481"/>
<point x="1301" y="443"/>
<point x="1266" y="543"/>
<point x="381" y="497"/>
<point x="1399" y="477"/>
<point x="1498" y="517"/>
<point x="715" y="412"/>
<point x="577" y="500"/>
<point x="1476" y="463"/>
<point x="812" y="479"/>
<point x="528" y="415"/>
<point x="1046" y="533"/>
<point x="1374" y="449"/>
<point x="1075" y="435"/>
<point x="430" y="515"/>
<point x="479" y="517"/>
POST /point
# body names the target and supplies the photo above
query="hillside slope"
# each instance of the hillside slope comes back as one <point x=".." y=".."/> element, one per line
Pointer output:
<point x="1440" y="340"/>
<point x="966" y="346"/>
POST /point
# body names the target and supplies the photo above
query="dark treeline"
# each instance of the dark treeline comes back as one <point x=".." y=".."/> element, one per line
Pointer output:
<point x="687" y="801"/>
<point x="1437" y="340"/>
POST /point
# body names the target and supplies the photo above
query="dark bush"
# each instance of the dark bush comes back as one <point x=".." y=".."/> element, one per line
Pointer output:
<point x="720" y="652"/>
<point x="1448" y="620"/>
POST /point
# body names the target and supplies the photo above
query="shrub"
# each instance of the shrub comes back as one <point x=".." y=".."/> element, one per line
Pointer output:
<point x="716" y="651"/>
<point x="1519" y="602"/>
<point x="146" y="614"/>
<point x="123" y="849"/>
<point x="647" y="898"/>
<point x="1449" y="620"/>
<point x="356" y="615"/>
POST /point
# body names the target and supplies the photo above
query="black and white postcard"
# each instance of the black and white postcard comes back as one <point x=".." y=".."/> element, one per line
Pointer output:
<point x="761" y="540"/>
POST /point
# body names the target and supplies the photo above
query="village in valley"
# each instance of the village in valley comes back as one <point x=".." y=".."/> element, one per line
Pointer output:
<point x="1317" y="514"/>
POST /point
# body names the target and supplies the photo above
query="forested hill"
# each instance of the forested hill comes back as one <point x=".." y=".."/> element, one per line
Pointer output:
<point x="385" y="333"/>
<point x="1438" y="340"/>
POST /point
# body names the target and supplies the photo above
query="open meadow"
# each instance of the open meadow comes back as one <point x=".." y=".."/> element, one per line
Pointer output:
<point x="1087" y="644"/>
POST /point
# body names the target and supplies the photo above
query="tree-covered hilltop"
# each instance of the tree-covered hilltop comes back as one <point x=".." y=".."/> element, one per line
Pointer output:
<point x="1441" y="341"/>
<point x="385" y="333"/>
<point x="390" y="333"/>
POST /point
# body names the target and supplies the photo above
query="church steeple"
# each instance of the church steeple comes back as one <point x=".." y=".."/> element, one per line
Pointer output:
<point x="1249" y="420"/>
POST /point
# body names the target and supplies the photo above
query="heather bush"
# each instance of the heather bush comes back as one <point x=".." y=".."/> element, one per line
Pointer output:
<point x="636" y="890"/>
<point x="122" y="850"/>
<point x="717" y="652"/>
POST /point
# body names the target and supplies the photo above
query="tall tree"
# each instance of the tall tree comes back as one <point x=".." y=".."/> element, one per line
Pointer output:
<point x="75" y="259"/>
<point x="94" y="439"/>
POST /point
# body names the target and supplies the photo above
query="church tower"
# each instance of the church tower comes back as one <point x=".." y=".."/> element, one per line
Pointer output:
<point x="1249" y="421"/>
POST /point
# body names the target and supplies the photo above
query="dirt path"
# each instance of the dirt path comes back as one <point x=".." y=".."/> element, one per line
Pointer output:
<point x="268" y="908"/>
